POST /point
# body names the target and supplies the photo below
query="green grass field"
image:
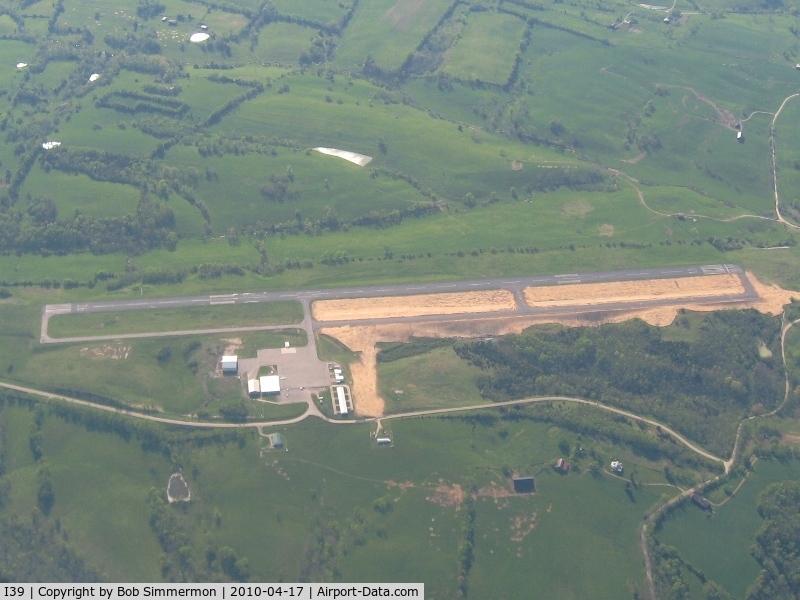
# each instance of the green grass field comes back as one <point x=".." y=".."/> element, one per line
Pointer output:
<point x="388" y="31"/>
<point x="485" y="49"/>
<point x="175" y="319"/>
<point x="289" y="496"/>
<point x="720" y="545"/>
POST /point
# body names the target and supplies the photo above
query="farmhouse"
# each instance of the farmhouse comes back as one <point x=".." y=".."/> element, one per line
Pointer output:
<point x="230" y="365"/>
<point x="562" y="466"/>
<point x="523" y="485"/>
<point x="270" y="384"/>
<point x="701" y="501"/>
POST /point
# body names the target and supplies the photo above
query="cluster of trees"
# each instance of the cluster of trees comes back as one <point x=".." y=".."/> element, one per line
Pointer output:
<point x="139" y="102"/>
<point x="466" y="549"/>
<point x="703" y="387"/>
<point x="148" y="228"/>
<point x="777" y="547"/>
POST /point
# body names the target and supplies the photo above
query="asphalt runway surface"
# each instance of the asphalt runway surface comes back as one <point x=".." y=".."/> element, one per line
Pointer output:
<point x="515" y="284"/>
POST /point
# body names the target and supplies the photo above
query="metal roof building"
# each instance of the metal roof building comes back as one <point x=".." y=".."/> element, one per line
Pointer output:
<point x="270" y="384"/>
<point x="230" y="364"/>
<point x="341" y="400"/>
<point x="253" y="387"/>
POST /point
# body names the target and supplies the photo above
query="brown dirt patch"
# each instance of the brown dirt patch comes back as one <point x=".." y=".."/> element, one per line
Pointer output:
<point x="413" y="306"/>
<point x="588" y="294"/>
<point x="576" y="208"/>
<point x="401" y="14"/>
<point x="232" y="345"/>
<point x="790" y="439"/>
<point x="635" y="160"/>
<point x="517" y="165"/>
<point x="106" y="351"/>
<point x="403" y="485"/>
<point x="521" y="526"/>
<point x="447" y="495"/>
<point x="606" y="230"/>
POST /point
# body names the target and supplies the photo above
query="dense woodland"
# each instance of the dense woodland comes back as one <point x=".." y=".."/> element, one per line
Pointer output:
<point x="777" y="547"/>
<point x="703" y="386"/>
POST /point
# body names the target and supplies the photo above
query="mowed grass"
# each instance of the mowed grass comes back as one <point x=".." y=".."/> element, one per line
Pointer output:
<point x="149" y="320"/>
<point x="419" y="535"/>
<point x="94" y="199"/>
<point x="388" y="31"/>
<point x="720" y="545"/>
<point x="283" y="42"/>
<point x="323" y="11"/>
<point x="485" y="50"/>
<point x="449" y="161"/>
<point x="101" y="484"/>
<point x="436" y="379"/>
<point x="321" y="183"/>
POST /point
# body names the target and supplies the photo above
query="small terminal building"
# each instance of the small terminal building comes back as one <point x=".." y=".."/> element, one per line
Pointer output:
<point x="270" y="384"/>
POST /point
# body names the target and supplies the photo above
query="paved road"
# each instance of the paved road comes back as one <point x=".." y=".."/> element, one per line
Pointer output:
<point x="408" y="415"/>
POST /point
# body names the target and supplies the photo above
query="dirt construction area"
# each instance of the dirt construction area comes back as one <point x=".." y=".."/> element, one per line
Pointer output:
<point x="413" y="306"/>
<point x="589" y="294"/>
<point x="368" y="401"/>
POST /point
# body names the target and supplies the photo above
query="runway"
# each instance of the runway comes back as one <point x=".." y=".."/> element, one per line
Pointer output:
<point x="514" y="284"/>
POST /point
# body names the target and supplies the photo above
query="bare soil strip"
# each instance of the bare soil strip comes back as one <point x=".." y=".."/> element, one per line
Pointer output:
<point x="413" y="306"/>
<point x="362" y="339"/>
<point x="590" y="294"/>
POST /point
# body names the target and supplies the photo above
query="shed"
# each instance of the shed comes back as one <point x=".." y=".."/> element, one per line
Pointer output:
<point x="172" y="23"/>
<point x="701" y="501"/>
<point x="277" y="440"/>
<point x="230" y="364"/>
<point x="384" y="441"/>
<point x="204" y="27"/>
<point x="253" y="387"/>
<point x="270" y="384"/>
<point x="562" y="466"/>
<point x="523" y="485"/>
<point x="341" y="400"/>
<point x="740" y="137"/>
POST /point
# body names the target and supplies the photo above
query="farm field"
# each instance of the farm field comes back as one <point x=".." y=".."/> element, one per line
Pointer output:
<point x="730" y="533"/>
<point x="246" y="494"/>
